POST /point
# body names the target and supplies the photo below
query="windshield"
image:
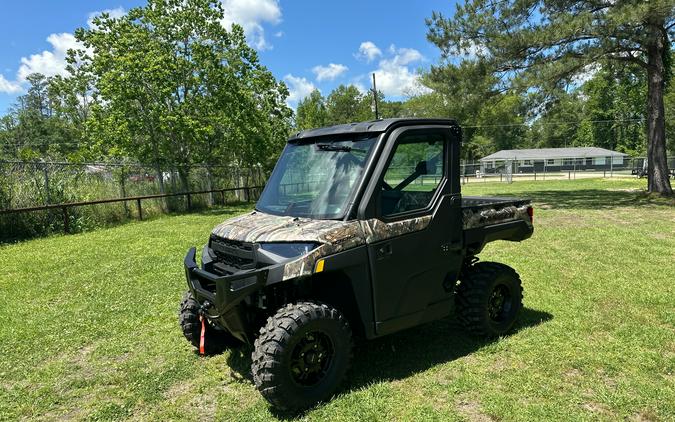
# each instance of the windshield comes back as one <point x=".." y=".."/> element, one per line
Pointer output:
<point x="316" y="179"/>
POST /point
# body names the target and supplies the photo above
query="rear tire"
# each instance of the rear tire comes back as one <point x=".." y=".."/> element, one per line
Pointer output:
<point x="301" y="355"/>
<point x="215" y="340"/>
<point x="488" y="299"/>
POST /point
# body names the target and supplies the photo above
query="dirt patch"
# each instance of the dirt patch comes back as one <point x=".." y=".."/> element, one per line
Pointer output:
<point x="59" y="415"/>
<point x="661" y="236"/>
<point x="501" y="363"/>
<point x="608" y="380"/>
<point x="472" y="411"/>
<point x="572" y="374"/>
<point x="200" y="404"/>
<point x="643" y="417"/>
<point x="596" y="408"/>
<point x="204" y="406"/>
<point x="178" y="390"/>
<point x="632" y="190"/>
<point x="80" y="363"/>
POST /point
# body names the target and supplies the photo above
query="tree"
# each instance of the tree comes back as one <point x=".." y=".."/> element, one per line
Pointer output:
<point x="556" y="123"/>
<point x="177" y="88"/>
<point x="492" y="118"/>
<point x="311" y="112"/>
<point x="542" y="44"/>
<point x="612" y="101"/>
<point x="32" y="129"/>
<point x="346" y="104"/>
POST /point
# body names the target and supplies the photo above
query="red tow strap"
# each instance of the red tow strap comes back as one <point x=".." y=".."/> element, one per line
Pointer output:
<point x="202" y="335"/>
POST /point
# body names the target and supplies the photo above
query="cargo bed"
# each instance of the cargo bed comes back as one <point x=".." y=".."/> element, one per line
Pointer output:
<point x="486" y="219"/>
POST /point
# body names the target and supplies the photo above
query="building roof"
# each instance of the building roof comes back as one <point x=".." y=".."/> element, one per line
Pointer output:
<point x="547" y="153"/>
<point x="381" y="125"/>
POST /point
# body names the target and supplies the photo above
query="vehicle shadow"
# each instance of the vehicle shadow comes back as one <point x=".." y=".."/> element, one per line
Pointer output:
<point x="400" y="355"/>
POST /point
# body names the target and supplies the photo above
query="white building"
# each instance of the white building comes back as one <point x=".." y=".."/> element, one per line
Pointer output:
<point x="553" y="159"/>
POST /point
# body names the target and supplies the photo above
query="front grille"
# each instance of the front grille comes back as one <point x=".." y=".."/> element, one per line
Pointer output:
<point x="232" y="256"/>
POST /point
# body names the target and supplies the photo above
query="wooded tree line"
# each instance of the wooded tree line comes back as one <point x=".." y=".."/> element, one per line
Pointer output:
<point x="607" y="111"/>
<point x="168" y="86"/>
<point x="165" y="85"/>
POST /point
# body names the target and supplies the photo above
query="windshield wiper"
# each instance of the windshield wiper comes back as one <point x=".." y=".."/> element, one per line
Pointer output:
<point x="332" y="147"/>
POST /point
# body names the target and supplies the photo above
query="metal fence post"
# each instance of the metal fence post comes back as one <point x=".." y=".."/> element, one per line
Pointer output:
<point x="140" y="210"/>
<point x="544" y="176"/>
<point x="66" y="222"/>
<point x="611" y="166"/>
<point x="46" y="173"/>
<point x="189" y="202"/>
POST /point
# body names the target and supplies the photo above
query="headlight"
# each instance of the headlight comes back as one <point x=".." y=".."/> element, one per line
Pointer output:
<point x="289" y="250"/>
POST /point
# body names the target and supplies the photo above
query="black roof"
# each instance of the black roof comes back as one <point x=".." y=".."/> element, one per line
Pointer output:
<point x="373" y="126"/>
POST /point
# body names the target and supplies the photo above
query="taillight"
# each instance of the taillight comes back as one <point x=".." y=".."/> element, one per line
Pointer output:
<point x="530" y="212"/>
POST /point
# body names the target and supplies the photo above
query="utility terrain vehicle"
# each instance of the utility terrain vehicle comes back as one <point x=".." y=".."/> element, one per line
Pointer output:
<point x="360" y="229"/>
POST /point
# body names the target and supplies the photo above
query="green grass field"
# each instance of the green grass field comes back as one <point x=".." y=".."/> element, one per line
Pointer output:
<point x="88" y="326"/>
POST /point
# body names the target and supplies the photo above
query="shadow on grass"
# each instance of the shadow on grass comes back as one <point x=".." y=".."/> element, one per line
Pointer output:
<point x="400" y="355"/>
<point x="594" y="198"/>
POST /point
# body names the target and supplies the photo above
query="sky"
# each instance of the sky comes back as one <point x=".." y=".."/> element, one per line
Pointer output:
<point x="307" y="44"/>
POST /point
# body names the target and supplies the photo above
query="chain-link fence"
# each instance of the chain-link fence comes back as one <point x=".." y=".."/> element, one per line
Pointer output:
<point x="558" y="168"/>
<point x="31" y="184"/>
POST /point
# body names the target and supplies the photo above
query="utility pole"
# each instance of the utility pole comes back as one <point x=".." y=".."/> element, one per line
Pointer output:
<point x="377" y="113"/>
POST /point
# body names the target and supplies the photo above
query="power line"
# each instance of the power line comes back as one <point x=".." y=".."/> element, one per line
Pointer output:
<point x="558" y="123"/>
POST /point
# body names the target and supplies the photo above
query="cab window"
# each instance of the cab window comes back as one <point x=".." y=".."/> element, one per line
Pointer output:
<point x="413" y="175"/>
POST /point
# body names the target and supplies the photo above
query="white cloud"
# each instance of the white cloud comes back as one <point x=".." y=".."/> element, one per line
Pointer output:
<point x="474" y="50"/>
<point x="330" y="72"/>
<point x="368" y="51"/>
<point x="49" y="63"/>
<point x="9" y="87"/>
<point x="298" y="88"/>
<point x="394" y="77"/>
<point x="251" y="14"/>
<point x="404" y="56"/>
<point x="115" y="13"/>
<point x="586" y="74"/>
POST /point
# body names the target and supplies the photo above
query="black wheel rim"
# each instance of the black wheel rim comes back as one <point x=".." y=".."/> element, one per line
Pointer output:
<point x="311" y="358"/>
<point x="499" y="304"/>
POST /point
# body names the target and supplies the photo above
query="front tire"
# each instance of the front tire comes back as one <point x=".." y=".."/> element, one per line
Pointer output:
<point x="488" y="299"/>
<point x="301" y="355"/>
<point x="215" y="341"/>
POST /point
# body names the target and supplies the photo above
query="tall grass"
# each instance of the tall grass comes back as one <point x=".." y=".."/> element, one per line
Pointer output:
<point x="34" y="184"/>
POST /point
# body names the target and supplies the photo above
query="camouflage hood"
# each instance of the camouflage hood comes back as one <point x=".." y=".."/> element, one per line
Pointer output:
<point x="260" y="227"/>
<point x="333" y="236"/>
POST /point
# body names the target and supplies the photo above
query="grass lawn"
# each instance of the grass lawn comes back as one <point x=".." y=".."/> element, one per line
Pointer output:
<point x="88" y="326"/>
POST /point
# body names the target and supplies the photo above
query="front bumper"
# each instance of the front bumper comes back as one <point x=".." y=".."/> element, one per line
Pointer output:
<point x="225" y="294"/>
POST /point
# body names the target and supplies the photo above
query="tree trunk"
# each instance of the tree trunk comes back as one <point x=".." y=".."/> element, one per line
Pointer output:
<point x="657" y="166"/>
<point x="184" y="175"/>
<point x="160" y="174"/>
<point x="209" y="184"/>
<point x="160" y="180"/>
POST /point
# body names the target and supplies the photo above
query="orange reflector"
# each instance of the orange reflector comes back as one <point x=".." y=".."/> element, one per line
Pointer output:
<point x="319" y="266"/>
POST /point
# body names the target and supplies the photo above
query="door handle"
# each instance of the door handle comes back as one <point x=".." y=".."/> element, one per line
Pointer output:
<point x="384" y="251"/>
